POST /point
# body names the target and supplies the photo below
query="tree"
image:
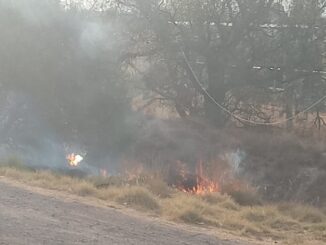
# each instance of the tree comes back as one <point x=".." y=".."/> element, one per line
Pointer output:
<point x="241" y="51"/>
<point x="252" y="57"/>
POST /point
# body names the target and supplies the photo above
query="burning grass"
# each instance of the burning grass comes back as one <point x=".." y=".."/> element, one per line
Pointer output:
<point x="286" y="221"/>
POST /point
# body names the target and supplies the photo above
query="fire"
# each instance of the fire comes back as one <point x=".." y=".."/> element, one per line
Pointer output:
<point x="198" y="184"/>
<point x="74" y="159"/>
<point x="205" y="186"/>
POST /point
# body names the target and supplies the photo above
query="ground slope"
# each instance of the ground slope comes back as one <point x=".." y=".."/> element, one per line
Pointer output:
<point x="27" y="217"/>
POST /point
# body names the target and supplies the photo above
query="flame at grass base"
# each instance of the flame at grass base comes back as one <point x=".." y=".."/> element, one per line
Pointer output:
<point x="198" y="184"/>
<point x="74" y="159"/>
<point x="203" y="187"/>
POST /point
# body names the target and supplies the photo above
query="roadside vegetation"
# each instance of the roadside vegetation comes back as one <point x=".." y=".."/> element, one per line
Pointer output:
<point x="290" y="223"/>
<point x="182" y="87"/>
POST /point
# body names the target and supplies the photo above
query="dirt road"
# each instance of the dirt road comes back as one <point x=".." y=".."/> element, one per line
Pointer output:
<point x="27" y="217"/>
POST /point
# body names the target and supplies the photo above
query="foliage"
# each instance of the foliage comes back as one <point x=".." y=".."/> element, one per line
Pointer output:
<point x="247" y="55"/>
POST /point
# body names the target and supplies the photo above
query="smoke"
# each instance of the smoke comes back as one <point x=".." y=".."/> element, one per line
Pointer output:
<point x="96" y="37"/>
<point x="235" y="159"/>
<point x="20" y="130"/>
<point x="33" y="11"/>
<point x="61" y="85"/>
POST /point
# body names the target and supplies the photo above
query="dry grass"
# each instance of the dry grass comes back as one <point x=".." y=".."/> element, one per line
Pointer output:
<point x="286" y="222"/>
<point x="104" y="182"/>
<point x="159" y="188"/>
<point x="183" y="207"/>
<point x="139" y="198"/>
<point x="304" y="214"/>
<point x="245" y="198"/>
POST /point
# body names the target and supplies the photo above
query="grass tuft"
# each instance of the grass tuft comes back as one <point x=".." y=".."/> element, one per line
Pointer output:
<point x="305" y="214"/>
<point x="215" y="198"/>
<point x="139" y="198"/>
<point x="159" y="188"/>
<point x="246" y="198"/>
<point x="84" y="189"/>
<point x="105" y="182"/>
<point x="191" y="216"/>
<point x="242" y="216"/>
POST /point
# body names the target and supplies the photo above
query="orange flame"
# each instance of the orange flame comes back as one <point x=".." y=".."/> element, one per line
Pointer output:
<point x="203" y="184"/>
<point x="74" y="159"/>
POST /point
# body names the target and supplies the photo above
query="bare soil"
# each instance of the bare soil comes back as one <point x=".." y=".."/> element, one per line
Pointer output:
<point x="30" y="217"/>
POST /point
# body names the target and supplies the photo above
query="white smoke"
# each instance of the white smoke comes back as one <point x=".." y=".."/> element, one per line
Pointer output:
<point x="94" y="38"/>
<point x="235" y="159"/>
<point x="33" y="11"/>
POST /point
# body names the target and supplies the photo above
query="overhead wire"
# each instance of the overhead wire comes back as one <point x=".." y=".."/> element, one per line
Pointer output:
<point x="241" y="119"/>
